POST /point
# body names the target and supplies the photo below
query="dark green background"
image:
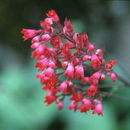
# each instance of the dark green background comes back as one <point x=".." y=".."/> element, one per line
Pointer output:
<point x="107" y="24"/>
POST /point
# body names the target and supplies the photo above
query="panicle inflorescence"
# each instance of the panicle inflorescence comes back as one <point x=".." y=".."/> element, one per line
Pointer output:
<point x="65" y="57"/>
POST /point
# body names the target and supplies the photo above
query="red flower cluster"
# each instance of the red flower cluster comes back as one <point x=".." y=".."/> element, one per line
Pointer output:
<point x="69" y="64"/>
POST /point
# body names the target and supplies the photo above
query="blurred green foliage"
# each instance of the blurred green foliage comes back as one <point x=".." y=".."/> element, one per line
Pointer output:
<point x="22" y="107"/>
<point x="21" y="96"/>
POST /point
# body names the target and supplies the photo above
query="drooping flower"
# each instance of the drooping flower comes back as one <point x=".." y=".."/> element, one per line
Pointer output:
<point x="56" y="42"/>
<point x="110" y="64"/>
<point x="77" y="97"/>
<point x="52" y="14"/>
<point x="72" y="105"/>
<point x="68" y="27"/>
<point x="29" y="33"/>
<point x="85" y="106"/>
<point x="98" y="108"/>
<point x="92" y="90"/>
<point x="42" y="64"/>
<point x="63" y="86"/>
<point x="79" y="71"/>
<point x="85" y="80"/>
<point x="45" y="37"/>
<point x="35" y="39"/>
<point x="60" y="105"/>
<point x="50" y="97"/>
<point x="49" y="82"/>
<point x="94" y="78"/>
<point x="86" y="57"/>
<point x="95" y="62"/>
<point x="113" y="77"/>
<point x="69" y="71"/>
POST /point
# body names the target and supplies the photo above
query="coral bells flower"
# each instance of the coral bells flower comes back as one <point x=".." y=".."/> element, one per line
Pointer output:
<point x="113" y="77"/>
<point x="68" y="63"/>
<point x="46" y="25"/>
<point x="92" y="90"/>
<point x="45" y="37"/>
<point x="35" y="39"/>
<point x="69" y="71"/>
<point x="60" y="105"/>
<point x="35" y="45"/>
<point x="86" y="57"/>
<point x="95" y="62"/>
<point x="110" y="64"/>
<point x="49" y="72"/>
<point x="98" y="108"/>
<point x="77" y="97"/>
<point x="68" y="27"/>
<point x="72" y="105"/>
<point x="94" y="78"/>
<point x="86" y="105"/>
<point x="63" y="86"/>
<point x="56" y="42"/>
<point x="52" y="14"/>
<point x="49" y="82"/>
<point x="50" y="97"/>
<point x="85" y="80"/>
<point x="79" y="71"/>
<point x="29" y="33"/>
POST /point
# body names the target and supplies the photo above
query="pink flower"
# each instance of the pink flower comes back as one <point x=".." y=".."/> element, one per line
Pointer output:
<point x="56" y="42"/>
<point x="46" y="26"/>
<point x="50" y="98"/>
<point x="35" y="39"/>
<point x="72" y="105"/>
<point x="76" y="61"/>
<point x="60" y="105"/>
<point x="85" y="106"/>
<point x="35" y="45"/>
<point x="113" y="77"/>
<point x="65" y="64"/>
<point x="81" y="40"/>
<point x="68" y="27"/>
<point x="49" y="72"/>
<point x="77" y="97"/>
<point x="85" y="80"/>
<point x="69" y="71"/>
<point x="94" y="78"/>
<point x="42" y="64"/>
<point x="50" y="82"/>
<point x="99" y="52"/>
<point x="70" y="88"/>
<point x="52" y="14"/>
<point x="70" y="44"/>
<point x="39" y="51"/>
<point x="85" y="40"/>
<point x="29" y="33"/>
<point x="91" y="47"/>
<point x="110" y="64"/>
<point x="49" y="21"/>
<point x="45" y="37"/>
<point x="98" y="108"/>
<point x="103" y="77"/>
<point x="63" y="86"/>
<point x="95" y="62"/>
<point x="66" y="52"/>
<point x="86" y="57"/>
<point x="52" y="64"/>
<point x="79" y="71"/>
<point x="92" y="90"/>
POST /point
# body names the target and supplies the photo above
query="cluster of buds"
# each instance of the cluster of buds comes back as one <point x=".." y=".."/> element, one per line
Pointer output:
<point x="69" y="65"/>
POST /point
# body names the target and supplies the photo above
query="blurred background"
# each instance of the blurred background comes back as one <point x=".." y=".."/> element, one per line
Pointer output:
<point x="107" y="23"/>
